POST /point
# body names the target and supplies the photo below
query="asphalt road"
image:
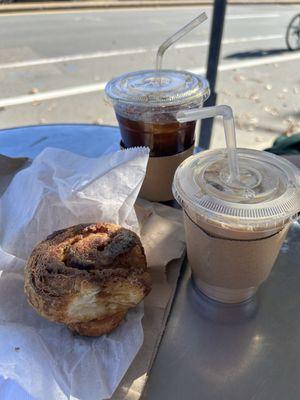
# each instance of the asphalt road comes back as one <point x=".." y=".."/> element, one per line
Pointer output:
<point x="54" y="66"/>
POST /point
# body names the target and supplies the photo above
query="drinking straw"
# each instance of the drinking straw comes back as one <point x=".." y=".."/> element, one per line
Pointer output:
<point x="229" y="128"/>
<point x="178" y="35"/>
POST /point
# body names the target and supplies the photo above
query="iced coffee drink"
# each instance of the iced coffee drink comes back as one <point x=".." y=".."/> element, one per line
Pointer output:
<point x="164" y="137"/>
<point x="146" y="103"/>
<point x="234" y="231"/>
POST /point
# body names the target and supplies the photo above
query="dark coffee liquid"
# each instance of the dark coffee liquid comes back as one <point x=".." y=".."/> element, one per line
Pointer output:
<point x="164" y="137"/>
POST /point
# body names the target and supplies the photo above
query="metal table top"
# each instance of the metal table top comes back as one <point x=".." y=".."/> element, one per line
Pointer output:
<point x="83" y="139"/>
<point x="209" y="350"/>
<point x="212" y="351"/>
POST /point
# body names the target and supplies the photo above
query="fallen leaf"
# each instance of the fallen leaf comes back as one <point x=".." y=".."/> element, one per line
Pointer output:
<point x="239" y="78"/>
<point x="290" y="127"/>
<point x="34" y="91"/>
<point x="255" y="97"/>
<point x="268" y="87"/>
<point x="253" y="120"/>
<point x="271" y="110"/>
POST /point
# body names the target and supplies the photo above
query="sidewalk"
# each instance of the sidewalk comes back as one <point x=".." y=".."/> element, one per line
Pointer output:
<point x="109" y="4"/>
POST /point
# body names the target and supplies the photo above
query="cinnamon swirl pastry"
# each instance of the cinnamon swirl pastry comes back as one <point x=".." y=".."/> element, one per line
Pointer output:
<point x="87" y="277"/>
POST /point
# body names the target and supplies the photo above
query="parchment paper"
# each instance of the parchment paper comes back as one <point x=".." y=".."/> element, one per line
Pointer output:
<point x="162" y="234"/>
<point x="163" y="238"/>
<point x="60" y="189"/>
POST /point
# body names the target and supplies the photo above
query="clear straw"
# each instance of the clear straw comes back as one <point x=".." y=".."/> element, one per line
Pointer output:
<point x="229" y="128"/>
<point x="178" y="35"/>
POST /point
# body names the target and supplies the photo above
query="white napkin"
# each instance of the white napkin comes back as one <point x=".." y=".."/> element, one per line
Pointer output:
<point x="61" y="189"/>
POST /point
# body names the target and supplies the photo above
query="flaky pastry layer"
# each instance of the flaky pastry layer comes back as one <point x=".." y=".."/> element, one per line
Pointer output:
<point x="87" y="277"/>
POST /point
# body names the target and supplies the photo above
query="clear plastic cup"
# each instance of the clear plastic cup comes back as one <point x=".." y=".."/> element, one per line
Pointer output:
<point x="234" y="233"/>
<point x="146" y="103"/>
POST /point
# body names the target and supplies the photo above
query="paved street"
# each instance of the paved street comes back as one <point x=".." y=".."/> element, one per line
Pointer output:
<point x="54" y="66"/>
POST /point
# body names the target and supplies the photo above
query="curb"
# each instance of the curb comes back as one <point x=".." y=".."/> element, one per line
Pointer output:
<point x="118" y="4"/>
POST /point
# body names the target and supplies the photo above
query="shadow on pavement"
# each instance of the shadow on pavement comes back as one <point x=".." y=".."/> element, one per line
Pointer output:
<point x="257" y="53"/>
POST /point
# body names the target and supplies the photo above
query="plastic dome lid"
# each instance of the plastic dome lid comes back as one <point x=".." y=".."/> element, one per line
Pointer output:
<point x="267" y="196"/>
<point x="158" y="88"/>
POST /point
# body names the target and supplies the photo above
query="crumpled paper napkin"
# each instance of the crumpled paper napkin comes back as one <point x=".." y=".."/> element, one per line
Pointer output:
<point x="60" y="189"/>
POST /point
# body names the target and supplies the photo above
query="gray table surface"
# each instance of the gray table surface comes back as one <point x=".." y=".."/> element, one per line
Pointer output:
<point x="209" y="351"/>
<point x="212" y="351"/>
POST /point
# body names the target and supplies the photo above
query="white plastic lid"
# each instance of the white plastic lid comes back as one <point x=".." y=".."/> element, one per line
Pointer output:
<point x="158" y="88"/>
<point x="269" y="196"/>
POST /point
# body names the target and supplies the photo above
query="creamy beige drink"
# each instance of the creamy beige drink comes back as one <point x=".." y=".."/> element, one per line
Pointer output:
<point x="234" y="231"/>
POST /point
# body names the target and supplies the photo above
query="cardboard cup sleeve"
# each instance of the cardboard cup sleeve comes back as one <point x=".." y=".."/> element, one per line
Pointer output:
<point x="157" y="185"/>
<point x="230" y="270"/>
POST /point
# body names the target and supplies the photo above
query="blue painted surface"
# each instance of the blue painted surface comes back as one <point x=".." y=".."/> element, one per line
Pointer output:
<point x="86" y="140"/>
